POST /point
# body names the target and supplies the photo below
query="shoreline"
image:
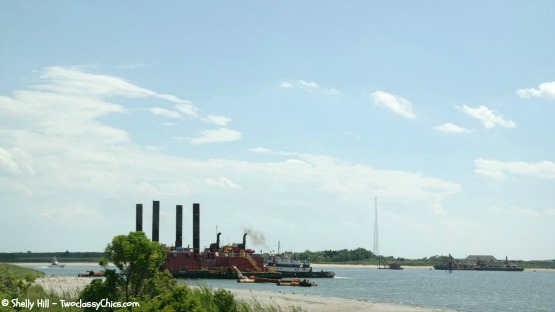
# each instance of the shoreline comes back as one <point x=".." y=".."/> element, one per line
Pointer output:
<point x="319" y="266"/>
<point x="27" y="264"/>
<point x="409" y="267"/>
<point x="71" y="286"/>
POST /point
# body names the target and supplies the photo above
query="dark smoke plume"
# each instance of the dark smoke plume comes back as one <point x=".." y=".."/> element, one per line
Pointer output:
<point x="256" y="238"/>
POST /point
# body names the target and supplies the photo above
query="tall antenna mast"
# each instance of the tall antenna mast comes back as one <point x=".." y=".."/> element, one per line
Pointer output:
<point x="376" y="245"/>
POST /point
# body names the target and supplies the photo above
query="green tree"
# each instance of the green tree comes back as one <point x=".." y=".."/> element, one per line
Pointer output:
<point x="137" y="259"/>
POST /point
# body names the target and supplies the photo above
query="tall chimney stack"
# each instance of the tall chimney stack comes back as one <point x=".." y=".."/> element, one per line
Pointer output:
<point x="139" y="217"/>
<point x="196" y="228"/>
<point x="155" y="221"/>
<point x="179" y="226"/>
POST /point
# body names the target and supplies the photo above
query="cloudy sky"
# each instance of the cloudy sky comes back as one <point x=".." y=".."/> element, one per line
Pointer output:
<point x="282" y="119"/>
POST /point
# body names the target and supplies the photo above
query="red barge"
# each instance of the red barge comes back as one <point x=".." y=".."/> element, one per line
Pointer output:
<point x="217" y="262"/>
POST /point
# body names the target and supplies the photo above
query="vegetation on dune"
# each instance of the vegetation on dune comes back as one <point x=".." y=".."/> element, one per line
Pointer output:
<point x="19" y="272"/>
<point x="15" y="283"/>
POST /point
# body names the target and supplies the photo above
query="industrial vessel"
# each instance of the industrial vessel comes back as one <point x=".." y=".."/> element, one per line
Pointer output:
<point x="452" y="264"/>
<point x="216" y="262"/>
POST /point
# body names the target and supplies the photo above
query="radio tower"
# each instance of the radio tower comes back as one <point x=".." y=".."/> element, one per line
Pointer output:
<point x="376" y="245"/>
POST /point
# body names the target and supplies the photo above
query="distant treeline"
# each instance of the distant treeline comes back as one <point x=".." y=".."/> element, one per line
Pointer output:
<point x="336" y="256"/>
<point x="359" y="256"/>
<point x="363" y="256"/>
<point x="47" y="256"/>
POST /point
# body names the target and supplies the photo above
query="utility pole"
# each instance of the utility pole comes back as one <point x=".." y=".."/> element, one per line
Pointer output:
<point x="376" y="245"/>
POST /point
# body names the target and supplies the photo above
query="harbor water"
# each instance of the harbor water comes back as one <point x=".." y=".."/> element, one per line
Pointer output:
<point x="458" y="291"/>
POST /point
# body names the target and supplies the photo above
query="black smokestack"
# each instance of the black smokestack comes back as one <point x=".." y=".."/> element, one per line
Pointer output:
<point x="155" y="221"/>
<point x="179" y="226"/>
<point x="196" y="228"/>
<point x="218" y="241"/>
<point x="245" y="241"/>
<point x="139" y="217"/>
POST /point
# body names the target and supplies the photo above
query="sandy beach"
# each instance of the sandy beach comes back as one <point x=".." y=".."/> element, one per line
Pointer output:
<point x="71" y="286"/>
<point x="319" y="304"/>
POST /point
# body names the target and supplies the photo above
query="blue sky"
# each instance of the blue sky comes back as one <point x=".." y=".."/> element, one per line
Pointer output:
<point x="281" y="119"/>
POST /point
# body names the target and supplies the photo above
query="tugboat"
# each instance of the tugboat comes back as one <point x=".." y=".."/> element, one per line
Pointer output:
<point x="295" y="268"/>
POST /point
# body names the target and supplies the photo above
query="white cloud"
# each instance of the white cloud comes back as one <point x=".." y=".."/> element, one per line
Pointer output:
<point x="260" y="150"/>
<point x="186" y="107"/>
<point x="217" y="136"/>
<point x="353" y="181"/>
<point x="488" y="117"/>
<point x="544" y="90"/>
<point x="309" y="86"/>
<point x="72" y="81"/>
<point x="500" y="170"/>
<point x="452" y="128"/>
<point x="286" y="85"/>
<point x="221" y="121"/>
<point x="164" y="112"/>
<point x="7" y="163"/>
<point x="222" y="182"/>
<point x="393" y="102"/>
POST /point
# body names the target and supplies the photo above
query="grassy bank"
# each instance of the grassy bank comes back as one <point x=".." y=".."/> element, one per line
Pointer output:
<point x="19" y="272"/>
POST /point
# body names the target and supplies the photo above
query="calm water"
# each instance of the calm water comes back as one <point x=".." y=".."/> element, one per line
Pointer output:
<point x="459" y="291"/>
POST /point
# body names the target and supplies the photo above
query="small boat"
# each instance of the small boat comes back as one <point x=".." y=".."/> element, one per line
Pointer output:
<point x="55" y="264"/>
<point x="296" y="282"/>
<point x="279" y="282"/>
<point x="91" y="274"/>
